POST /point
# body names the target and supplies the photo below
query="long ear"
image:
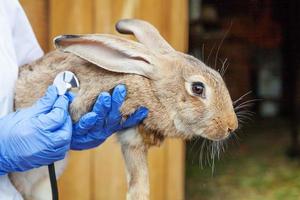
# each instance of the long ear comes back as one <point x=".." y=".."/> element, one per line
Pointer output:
<point x="145" y="33"/>
<point x="110" y="52"/>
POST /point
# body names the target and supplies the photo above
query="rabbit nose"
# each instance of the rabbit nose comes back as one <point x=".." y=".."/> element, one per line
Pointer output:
<point x="232" y="124"/>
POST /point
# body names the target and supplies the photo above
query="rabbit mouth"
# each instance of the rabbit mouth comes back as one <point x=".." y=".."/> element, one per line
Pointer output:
<point x="215" y="135"/>
<point x="207" y="131"/>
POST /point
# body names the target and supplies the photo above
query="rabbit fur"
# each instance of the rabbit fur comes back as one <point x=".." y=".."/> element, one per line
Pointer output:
<point x="156" y="76"/>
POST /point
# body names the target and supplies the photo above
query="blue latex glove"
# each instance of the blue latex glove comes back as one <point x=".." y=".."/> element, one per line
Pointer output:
<point x="35" y="136"/>
<point x="104" y="120"/>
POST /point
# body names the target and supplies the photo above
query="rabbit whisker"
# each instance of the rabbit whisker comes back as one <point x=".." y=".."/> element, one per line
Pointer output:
<point x="250" y="101"/>
<point x="193" y="145"/>
<point x="210" y="53"/>
<point x="201" y="153"/>
<point x="241" y="97"/>
<point x="203" y="52"/>
<point x="221" y="43"/>
<point x="243" y="106"/>
<point x="225" y="69"/>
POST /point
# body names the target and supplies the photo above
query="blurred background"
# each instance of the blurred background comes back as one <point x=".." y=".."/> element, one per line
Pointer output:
<point x="257" y="42"/>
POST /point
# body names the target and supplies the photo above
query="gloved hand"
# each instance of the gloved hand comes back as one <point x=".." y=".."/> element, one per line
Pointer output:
<point x="35" y="136"/>
<point x="104" y="120"/>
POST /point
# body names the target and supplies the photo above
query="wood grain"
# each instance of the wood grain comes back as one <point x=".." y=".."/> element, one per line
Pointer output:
<point x="37" y="12"/>
<point x="73" y="17"/>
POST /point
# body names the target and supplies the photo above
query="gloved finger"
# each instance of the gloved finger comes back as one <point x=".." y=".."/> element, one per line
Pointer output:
<point x="117" y="100"/>
<point x="138" y="116"/>
<point x="47" y="157"/>
<point x="45" y="103"/>
<point x="62" y="102"/>
<point x="62" y="136"/>
<point x="71" y="96"/>
<point x="56" y="118"/>
<point x="85" y="142"/>
<point x="102" y="104"/>
<point x="52" y="147"/>
<point x="85" y="123"/>
<point x="102" y="108"/>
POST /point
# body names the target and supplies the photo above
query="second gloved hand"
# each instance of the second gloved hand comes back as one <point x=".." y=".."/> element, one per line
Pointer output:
<point x="105" y="119"/>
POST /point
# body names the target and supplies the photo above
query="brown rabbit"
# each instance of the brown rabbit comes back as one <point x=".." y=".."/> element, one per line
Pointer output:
<point x="185" y="98"/>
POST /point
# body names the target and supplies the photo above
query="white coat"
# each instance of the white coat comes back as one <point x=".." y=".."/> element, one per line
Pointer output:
<point x="18" y="46"/>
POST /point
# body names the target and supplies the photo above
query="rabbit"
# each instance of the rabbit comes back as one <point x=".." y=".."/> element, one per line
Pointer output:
<point x="185" y="97"/>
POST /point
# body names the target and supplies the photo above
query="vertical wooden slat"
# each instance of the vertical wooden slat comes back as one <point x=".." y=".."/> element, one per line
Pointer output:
<point x="171" y="19"/>
<point x="175" y="170"/>
<point x="75" y="182"/>
<point x="73" y="16"/>
<point x="70" y="17"/>
<point x="109" y="172"/>
<point x="103" y="20"/>
<point x="109" y="181"/>
<point x="37" y="13"/>
<point x="166" y="171"/>
<point x="152" y="11"/>
<point x="177" y="34"/>
<point x="177" y="25"/>
<point x="157" y="170"/>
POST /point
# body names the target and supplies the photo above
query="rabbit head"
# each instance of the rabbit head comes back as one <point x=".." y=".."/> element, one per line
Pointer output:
<point x="195" y="96"/>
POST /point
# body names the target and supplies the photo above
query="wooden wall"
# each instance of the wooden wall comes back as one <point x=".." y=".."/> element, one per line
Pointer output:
<point x="99" y="173"/>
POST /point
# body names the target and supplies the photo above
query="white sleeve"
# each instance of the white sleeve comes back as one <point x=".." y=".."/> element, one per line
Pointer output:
<point x="26" y="45"/>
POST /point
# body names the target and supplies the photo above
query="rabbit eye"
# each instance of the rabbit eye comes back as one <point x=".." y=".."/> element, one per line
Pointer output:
<point x="198" y="89"/>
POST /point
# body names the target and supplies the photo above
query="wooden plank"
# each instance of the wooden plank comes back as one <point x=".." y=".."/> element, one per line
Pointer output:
<point x="103" y="16"/>
<point x="166" y="171"/>
<point x="153" y="12"/>
<point x="177" y="34"/>
<point x="171" y="20"/>
<point x="75" y="182"/>
<point x="178" y="24"/>
<point x="175" y="173"/>
<point x="70" y="17"/>
<point x="37" y="13"/>
<point x="73" y="16"/>
<point x="109" y="180"/>
<point x="157" y="170"/>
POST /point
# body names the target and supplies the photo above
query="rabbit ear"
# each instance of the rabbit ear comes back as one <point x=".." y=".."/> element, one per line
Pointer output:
<point x="110" y="52"/>
<point x="145" y="33"/>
